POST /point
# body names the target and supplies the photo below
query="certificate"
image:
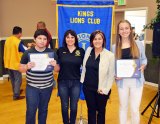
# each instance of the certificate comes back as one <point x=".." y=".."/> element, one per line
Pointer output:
<point x="128" y="68"/>
<point x="41" y="61"/>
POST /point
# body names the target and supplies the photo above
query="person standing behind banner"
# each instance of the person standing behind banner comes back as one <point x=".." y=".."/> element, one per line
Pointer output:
<point x="135" y="35"/>
<point x="129" y="89"/>
<point x="97" y="77"/>
<point x="13" y="50"/>
<point x="39" y="84"/>
<point x="70" y="58"/>
<point x="42" y="25"/>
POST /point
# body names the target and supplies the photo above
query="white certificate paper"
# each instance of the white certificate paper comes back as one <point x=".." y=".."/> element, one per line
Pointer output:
<point x="41" y="61"/>
<point x="128" y="68"/>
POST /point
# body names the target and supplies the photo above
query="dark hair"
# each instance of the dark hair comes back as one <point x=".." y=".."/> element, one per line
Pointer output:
<point x="40" y="32"/>
<point x="133" y="28"/>
<point x="73" y="33"/>
<point x="16" y="30"/>
<point x="93" y="35"/>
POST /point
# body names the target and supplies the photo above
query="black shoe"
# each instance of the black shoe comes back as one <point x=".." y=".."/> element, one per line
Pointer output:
<point x="19" y="98"/>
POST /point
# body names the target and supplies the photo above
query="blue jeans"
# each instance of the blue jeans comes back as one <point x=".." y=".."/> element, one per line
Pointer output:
<point x="69" y="90"/>
<point x="37" y="99"/>
<point x="16" y="81"/>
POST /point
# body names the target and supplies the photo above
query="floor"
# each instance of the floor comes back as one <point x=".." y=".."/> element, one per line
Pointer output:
<point x="13" y="112"/>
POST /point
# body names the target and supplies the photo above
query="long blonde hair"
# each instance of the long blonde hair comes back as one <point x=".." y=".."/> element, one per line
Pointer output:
<point x="133" y="46"/>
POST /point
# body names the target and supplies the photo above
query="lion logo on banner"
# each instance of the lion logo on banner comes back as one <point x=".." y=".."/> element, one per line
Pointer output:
<point x="84" y="40"/>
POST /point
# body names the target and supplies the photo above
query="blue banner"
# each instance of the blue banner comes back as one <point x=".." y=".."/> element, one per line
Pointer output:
<point x="86" y="2"/>
<point x="85" y="19"/>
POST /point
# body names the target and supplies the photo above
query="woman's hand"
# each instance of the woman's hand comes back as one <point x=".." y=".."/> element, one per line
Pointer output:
<point x="100" y="92"/>
<point x="118" y="78"/>
<point x="30" y="65"/>
<point x="142" y="68"/>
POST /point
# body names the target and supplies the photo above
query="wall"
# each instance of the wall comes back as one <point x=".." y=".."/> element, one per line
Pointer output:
<point x="19" y="12"/>
<point x="118" y="16"/>
<point x="151" y="4"/>
<point x="0" y="18"/>
<point x="26" y="13"/>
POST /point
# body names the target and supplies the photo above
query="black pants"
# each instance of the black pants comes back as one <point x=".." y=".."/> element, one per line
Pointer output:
<point x="96" y="104"/>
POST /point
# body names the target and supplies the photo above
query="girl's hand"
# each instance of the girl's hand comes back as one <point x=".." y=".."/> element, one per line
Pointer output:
<point x="30" y="65"/>
<point x="53" y="62"/>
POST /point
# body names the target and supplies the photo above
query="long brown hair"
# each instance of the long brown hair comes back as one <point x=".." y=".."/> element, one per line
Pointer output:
<point x="133" y="46"/>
